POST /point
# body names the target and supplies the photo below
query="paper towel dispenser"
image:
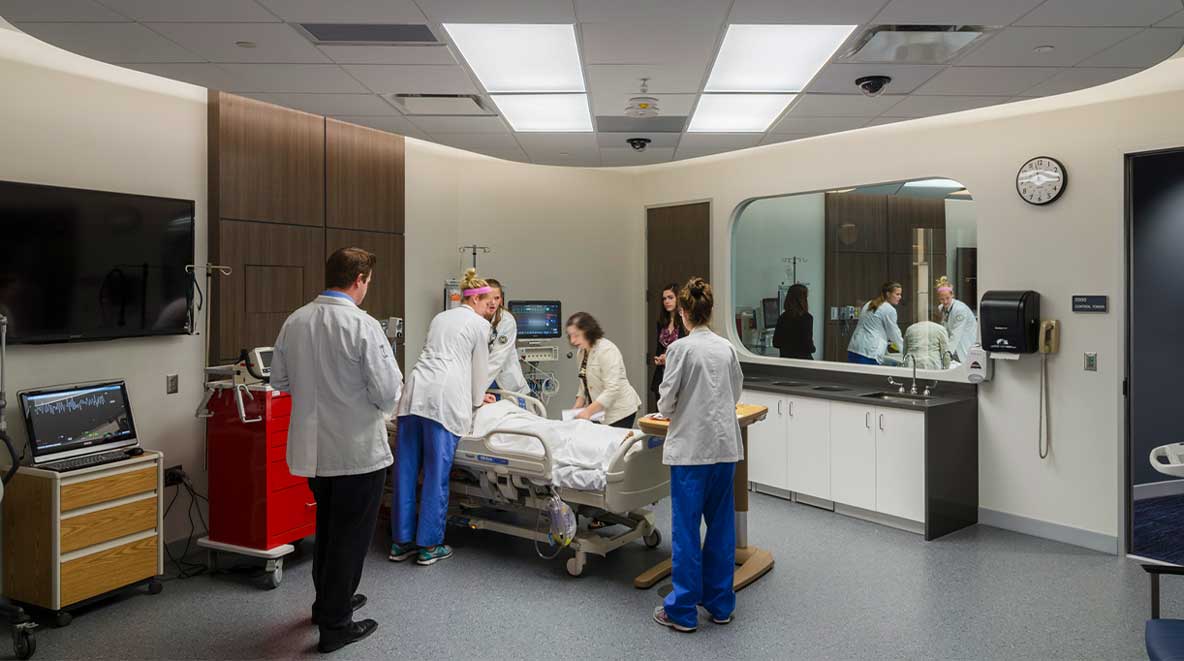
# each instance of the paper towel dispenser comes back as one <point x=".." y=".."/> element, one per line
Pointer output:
<point x="1010" y="321"/>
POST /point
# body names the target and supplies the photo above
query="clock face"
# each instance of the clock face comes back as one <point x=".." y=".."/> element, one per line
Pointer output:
<point x="1041" y="180"/>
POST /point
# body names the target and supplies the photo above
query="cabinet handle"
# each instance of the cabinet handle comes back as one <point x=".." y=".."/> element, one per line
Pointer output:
<point x="791" y="408"/>
<point x="867" y="419"/>
<point x="779" y="407"/>
<point x="881" y="422"/>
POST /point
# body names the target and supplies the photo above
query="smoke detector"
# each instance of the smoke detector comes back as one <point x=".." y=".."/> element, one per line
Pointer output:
<point x="644" y="106"/>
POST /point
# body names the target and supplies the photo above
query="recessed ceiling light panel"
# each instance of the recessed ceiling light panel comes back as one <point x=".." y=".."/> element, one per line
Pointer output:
<point x="737" y="113"/>
<point x="545" y="113"/>
<point x="774" y="58"/>
<point x="520" y="58"/>
<point x="913" y="44"/>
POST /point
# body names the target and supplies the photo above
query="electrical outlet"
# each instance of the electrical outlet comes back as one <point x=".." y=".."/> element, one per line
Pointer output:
<point x="171" y="384"/>
<point x="1091" y="362"/>
<point x="173" y="475"/>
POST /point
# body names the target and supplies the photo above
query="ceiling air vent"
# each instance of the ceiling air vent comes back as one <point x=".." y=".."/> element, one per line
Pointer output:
<point x="441" y="104"/>
<point x="362" y="34"/>
<point x="913" y="44"/>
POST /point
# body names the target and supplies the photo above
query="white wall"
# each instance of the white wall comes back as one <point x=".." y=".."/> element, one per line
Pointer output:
<point x="961" y="232"/>
<point x="69" y="121"/>
<point x="556" y="233"/>
<point x="770" y="230"/>
<point x="1073" y="246"/>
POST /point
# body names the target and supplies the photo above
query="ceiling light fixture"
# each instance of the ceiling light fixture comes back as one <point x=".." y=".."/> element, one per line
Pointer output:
<point x="774" y="58"/>
<point x="545" y="113"/>
<point x="520" y="57"/>
<point x="1044" y="49"/>
<point x="245" y="44"/>
<point x="737" y="113"/>
<point x="644" y="106"/>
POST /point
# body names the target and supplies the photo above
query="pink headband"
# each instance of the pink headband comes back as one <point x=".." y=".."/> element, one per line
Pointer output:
<point x="478" y="291"/>
<point x="945" y="290"/>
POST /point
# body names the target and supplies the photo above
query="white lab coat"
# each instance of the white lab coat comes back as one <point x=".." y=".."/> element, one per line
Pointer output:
<point x="962" y="327"/>
<point x="874" y="331"/>
<point x="449" y="380"/>
<point x="503" y="356"/>
<point x="337" y="363"/>
<point x="699" y="393"/>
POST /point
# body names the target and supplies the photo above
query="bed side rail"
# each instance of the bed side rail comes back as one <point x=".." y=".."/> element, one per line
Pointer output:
<point x="530" y="403"/>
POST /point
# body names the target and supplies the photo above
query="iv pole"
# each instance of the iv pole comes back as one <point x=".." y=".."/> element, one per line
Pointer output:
<point x="474" y="250"/>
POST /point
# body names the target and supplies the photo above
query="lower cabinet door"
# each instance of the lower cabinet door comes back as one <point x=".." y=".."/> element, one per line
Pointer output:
<point x="900" y="463"/>
<point x="809" y="446"/>
<point x="853" y="455"/>
<point x="767" y="448"/>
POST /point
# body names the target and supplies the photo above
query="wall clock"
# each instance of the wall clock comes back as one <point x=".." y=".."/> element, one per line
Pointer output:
<point x="1041" y="180"/>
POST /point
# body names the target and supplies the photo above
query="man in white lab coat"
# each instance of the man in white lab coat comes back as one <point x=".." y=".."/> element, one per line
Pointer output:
<point x="337" y="363"/>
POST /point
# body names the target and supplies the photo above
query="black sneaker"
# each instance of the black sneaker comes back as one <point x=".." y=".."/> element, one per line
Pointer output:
<point x="334" y="639"/>
<point x="355" y="602"/>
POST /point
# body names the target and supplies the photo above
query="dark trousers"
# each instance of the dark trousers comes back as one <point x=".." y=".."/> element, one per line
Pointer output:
<point x="347" y="510"/>
<point x="625" y="423"/>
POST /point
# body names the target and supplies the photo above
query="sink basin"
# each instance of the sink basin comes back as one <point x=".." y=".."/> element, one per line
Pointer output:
<point x="898" y="397"/>
<point x="830" y="388"/>
<point x="789" y="384"/>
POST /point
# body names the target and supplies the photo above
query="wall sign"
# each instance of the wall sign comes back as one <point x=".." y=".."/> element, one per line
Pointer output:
<point x="1083" y="303"/>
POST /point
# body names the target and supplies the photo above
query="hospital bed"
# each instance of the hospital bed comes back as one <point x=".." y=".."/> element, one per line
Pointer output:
<point x="519" y="481"/>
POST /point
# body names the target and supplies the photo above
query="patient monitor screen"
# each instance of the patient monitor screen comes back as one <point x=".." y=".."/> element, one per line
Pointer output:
<point x="537" y="320"/>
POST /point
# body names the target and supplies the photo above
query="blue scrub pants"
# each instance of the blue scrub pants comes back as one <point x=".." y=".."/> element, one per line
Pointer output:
<point x="702" y="571"/>
<point x="427" y="444"/>
<point x="860" y="359"/>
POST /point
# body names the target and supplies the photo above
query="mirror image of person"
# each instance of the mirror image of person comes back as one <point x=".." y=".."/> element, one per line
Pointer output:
<point x="669" y="329"/>
<point x="928" y="344"/>
<point x="958" y="320"/>
<point x="877" y="328"/>
<point x="794" y="335"/>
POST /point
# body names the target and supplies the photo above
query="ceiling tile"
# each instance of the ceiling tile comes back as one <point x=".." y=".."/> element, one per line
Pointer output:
<point x="987" y="81"/>
<point x="110" y="42"/>
<point x="407" y="79"/>
<point x="498" y="11"/>
<point x="275" y="43"/>
<point x="1071" y="80"/>
<point x="689" y="45"/>
<point x="331" y="104"/>
<point x="319" y="78"/>
<point x="436" y="125"/>
<point x="717" y="142"/>
<point x="626" y="157"/>
<point x="700" y="11"/>
<point x="230" y="11"/>
<point x="1145" y="49"/>
<point x="663" y="79"/>
<point x="346" y="11"/>
<point x="925" y="106"/>
<point x="557" y="143"/>
<point x="880" y="121"/>
<point x="211" y="76"/>
<point x="614" y="102"/>
<point x="955" y="12"/>
<point x="840" y="78"/>
<point x="1101" y="12"/>
<point x="15" y="11"/>
<point x="833" y="12"/>
<point x="816" y="125"/>
<point x="1013" y="47"/>
<point x="776" y="138"/>
<point x="389" y="124"/>
<point x="618" y="140"/>
<point x="1173" y="21"/>
<point x="389" y="54"/>
<point x="842" y="105"/>
<point x="478" y="142"/>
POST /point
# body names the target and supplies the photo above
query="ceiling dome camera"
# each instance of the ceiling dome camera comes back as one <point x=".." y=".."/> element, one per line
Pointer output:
<point x="639" y="144"/>
<point x="872" y="85"/>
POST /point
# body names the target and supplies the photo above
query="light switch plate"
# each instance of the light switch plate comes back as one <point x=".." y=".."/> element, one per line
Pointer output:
<point x="1091" y="361"/>
<point x="170" y="384"/>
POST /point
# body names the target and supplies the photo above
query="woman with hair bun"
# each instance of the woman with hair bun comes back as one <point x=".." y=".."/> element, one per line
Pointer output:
<point x="699" y="393"/>
<point x="958" y="319"/>
<point x="446" y="385"/>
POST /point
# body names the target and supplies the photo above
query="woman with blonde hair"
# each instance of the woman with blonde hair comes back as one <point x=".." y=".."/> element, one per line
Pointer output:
<point x="443" y="390"/>
<point x="957" y="318"/>
<point x="877" y="329"/>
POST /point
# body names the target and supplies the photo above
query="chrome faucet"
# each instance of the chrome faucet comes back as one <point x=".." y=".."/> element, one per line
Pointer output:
<point x="913" y="389"/>
<point x="892" y="382"/>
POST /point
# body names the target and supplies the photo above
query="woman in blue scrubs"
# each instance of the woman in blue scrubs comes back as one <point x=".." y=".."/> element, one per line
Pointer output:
<point x="699" y="393"/>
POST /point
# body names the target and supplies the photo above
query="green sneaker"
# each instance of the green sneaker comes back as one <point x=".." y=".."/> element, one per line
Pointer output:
<point x="401" y="552"/>
<point x="434" y="554"/>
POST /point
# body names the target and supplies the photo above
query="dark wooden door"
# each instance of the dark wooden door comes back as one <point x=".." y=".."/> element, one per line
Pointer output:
<point x="678" y="247"/>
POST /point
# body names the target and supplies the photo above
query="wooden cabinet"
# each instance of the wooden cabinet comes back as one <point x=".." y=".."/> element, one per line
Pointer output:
<point x="900" y="464"/>
<point x="72" y="536"/>
<point x="364" y="178"/>
<point x="853" y="455"/>
<point x="768" y="449"/>
<point x="385" y="297"/>
<point x="856" y="223"/>
<point x="809" y="446"/>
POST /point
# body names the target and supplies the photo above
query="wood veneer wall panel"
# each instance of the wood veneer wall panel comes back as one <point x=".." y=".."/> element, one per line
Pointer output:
<point x="364" y="183"/>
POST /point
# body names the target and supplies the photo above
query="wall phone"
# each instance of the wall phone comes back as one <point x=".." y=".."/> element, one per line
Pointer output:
<point x="1048" y="340"/>
<point x="1049" y="337"/>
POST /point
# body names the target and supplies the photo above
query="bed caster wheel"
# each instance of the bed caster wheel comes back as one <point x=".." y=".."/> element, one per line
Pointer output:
<point x="654" y="539"/>
<point x="24" y="642"/>
<point x="274" y="574"/>
<point x="575" y="564"/>
<point x="62" y="619"/>
<point x="155" y="586"/>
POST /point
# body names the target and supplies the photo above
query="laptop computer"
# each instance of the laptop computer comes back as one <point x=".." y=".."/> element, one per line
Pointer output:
<point x="72" y="427"/>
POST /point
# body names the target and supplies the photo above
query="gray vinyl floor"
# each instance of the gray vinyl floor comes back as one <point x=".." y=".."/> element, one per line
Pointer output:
<point x="842" y="589"/>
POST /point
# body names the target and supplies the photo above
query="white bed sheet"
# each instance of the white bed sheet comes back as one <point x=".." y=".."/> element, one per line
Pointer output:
<point x="581" y="450"/>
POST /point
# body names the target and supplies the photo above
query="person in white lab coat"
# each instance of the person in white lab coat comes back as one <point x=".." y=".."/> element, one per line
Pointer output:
<point x="338" y="365"/>
<point x="446" y="385"/>
<point x="877" y="328"/>
<point x="504" y="368"/>
<point x="699" y="393"/>
<point x="958" y="319"/>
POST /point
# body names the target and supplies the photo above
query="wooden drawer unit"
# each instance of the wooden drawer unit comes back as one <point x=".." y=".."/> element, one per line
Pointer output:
<point x="68" y="537"/>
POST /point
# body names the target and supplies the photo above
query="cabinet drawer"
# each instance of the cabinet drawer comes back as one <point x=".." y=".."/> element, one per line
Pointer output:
<point x="278" y="477"/>
<point x="293" y="507"/>
<point x="112" y="487"/>
<point x="108" y="570"/>
<point x="276" y="451"/>
<point x="281" y="412"/>
<point x="107" y="524"/>
<point x="277" y="438"/>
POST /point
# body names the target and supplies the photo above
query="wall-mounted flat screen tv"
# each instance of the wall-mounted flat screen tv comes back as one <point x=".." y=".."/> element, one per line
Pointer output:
<point x="93" y="265"/>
